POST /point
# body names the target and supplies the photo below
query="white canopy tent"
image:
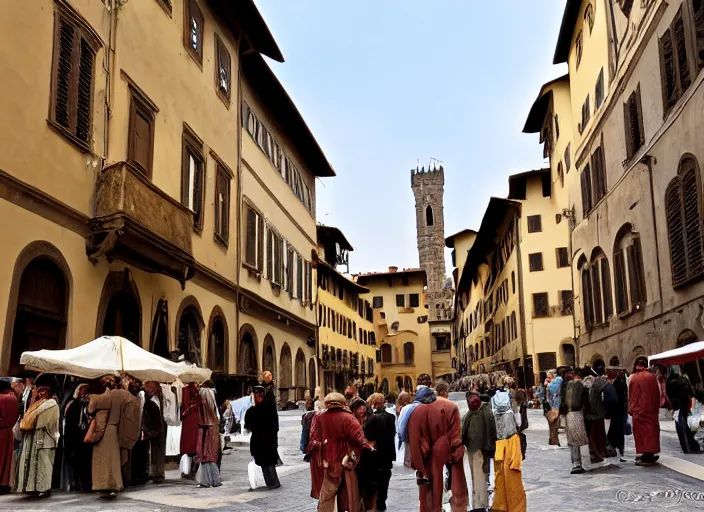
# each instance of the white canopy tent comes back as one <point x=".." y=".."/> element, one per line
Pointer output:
<point x="686" y="354"/>
<point x="112" y="355"/>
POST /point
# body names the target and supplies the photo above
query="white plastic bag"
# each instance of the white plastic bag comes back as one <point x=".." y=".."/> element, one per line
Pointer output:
<point x="184" y="466"/>
<point x="256" y="477"/>
<point x="693" y="422"/>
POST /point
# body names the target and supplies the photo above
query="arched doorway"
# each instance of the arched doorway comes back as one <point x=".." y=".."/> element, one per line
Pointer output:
<point x="159" y="342"/>
<point x="190" y="325"/>
<point x="120" y="308"/>
<point x="42" y="310"/>
<point x="694" y="370"/>
<point x="312" y="383"/>
<point x="300" y="375"/>
<point x="247" y="355"/>
<point x="286" y="378"/>
<point x="568" y="355"/>
<point x="216" y="346"/>
<point x="269" y="356"/>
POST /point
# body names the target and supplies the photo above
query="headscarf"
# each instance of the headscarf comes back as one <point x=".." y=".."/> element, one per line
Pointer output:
<point x="424" y="396"/>
<point x="474" y="403"/>
<point x="641" y="364"/>
<point x="335" y="401"/>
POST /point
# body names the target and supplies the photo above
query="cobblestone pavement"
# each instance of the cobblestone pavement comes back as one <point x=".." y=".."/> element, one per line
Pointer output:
<point x="549" y="486"/>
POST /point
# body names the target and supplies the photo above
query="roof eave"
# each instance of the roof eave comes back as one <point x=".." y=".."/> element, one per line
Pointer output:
<point x="564" y="39"/>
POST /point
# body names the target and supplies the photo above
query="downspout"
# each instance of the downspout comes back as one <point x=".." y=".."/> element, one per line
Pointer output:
<point x="648" y="160"/>
<point x="238" y="245"/>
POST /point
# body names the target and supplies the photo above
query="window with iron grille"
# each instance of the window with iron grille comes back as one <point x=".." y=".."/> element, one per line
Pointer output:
<point x="140" y="142"/>
<point x="674" y="62"/>
<point x="633" y="119"/>
<point x="541" y="306"/>
<point x="400" y="301"/>
<point x="535" y="261"/>
<point x="193" y="31"/>
<point x="223" y="69"/>
<point x="684" y="223"/>
<point x="563" y="259"/>
<point x="535" y="224"/>
<point x="414" y="300"/>
<point x="193" y="177"/>
<point x="75" y="48"/>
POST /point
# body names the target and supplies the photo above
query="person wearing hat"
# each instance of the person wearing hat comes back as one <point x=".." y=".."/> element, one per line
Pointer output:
<point x="40" y="436"/>
<point x="262" y="420"/>
<point x="479" y="436"/>
<point x="644" y="406"/>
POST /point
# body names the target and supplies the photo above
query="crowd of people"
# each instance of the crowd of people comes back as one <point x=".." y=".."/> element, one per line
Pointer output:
<point x="351" y="445"/>
<point x="103" y="435"/>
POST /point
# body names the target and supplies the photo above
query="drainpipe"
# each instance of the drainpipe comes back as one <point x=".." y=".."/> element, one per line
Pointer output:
<point x="649" y="160"/>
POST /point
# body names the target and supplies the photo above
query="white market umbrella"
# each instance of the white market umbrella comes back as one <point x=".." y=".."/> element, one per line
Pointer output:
<point x="112" y="355"/>
<point x="686" y="354"/>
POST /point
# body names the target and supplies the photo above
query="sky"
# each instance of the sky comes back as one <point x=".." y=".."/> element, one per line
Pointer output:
<point x="386" y="85"/>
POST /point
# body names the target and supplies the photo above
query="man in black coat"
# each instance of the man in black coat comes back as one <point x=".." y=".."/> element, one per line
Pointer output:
<point x="262" y="420"/>
<point x="374" y="469"/>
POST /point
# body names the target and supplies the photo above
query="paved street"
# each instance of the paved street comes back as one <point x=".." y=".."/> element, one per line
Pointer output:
<point x="546" y="476"/>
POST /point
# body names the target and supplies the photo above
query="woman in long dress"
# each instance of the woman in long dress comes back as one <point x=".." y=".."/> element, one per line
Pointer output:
<point x="208" y="474"/>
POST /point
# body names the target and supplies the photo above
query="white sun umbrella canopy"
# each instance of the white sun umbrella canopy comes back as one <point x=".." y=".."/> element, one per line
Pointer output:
<point x="112" y="355"/>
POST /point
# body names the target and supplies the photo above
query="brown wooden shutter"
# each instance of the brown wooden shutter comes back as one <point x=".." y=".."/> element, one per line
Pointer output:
<point x="299" y="277"/>
<point x="66" y="34"/>
<point x="682" y="62"/>
<point x="635" y="277"/>
<point x="596" y="295"/>
<point x="270" y="254"/>
<point x="225" y="210"/>
<point x="667" y="59"/>
<point x="698" y="15"/>
<point x="198" y="194"/>
<point x="587" y="299"/>
<point x="250" y="249"/>
<point x="692" y="219"/>
<point x="676" y="232"/>
<point x="606" y="289"/>
<point x="628" y="128"/>
<point x="290" y="271"/>
<point x="140" y="149"/>
<point x="85" y="92"/>
<point x="260" y="243"/>
<point x="585" y="180"/>
<point x="620" y="281"/>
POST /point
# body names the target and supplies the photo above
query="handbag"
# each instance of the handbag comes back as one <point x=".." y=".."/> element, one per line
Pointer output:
<point x="97" y="427"/>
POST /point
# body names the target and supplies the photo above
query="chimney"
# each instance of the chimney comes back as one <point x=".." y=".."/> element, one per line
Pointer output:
<point x="393" y="270"/>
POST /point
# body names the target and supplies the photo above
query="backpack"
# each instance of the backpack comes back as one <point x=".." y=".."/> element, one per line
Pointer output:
<point x="501" y="402"/>
<point x="129" y="428"/>
<point x="609" y="400"/>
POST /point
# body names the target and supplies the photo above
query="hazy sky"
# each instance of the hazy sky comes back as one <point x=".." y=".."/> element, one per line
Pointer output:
<point x="387" y="84"/>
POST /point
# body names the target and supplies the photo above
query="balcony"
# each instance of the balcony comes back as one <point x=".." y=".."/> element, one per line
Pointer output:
<point x="139" y="224"/>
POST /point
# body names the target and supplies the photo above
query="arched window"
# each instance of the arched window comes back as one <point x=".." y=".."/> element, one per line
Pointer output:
<point x="269" y="356"/>
<point x="596" y="289"/>
<point x="300" y="375"/>
<point x="159" y="343"/>
<point x="568" y="356"/>
<point x="408" y="353"/>
<point x="247" y="353"/>
<point x="386" y="353"/>
<point x="614" y="361"/>
<point x="216" y="347"/>
<point x="399" y="383"/>
<point x="189" y="332"/>
<point x="589" y="16"/>
<point x="42" y="307"/>
<point x="629" y="273"/>
<point x="684" y="222"/>
<point x="286" y="377"/>
<point x="428" y="215"/>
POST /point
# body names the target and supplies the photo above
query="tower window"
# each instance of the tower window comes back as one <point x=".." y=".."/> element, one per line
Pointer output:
<point x="429" y="215"/>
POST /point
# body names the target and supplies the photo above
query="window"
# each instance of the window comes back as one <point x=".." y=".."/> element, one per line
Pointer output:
<point x="378" y="302"/>
<point x="599" y="90"/>
<point x="560" y="174"/>
<point x="589" y="19"/>
<point x="578" y="49"/>
<point x="253" y="255"/>
<point x="140" y="142"/>
<point x="428" y="215"/>
<point x="414" y="299"/>
<point x="535" y="261"/>
<point x="684" y="223"/>
<point x="514" y="327"/>
<point x="222" y="204"/>
<point x="596" y="291"/>
<point x="698" y="17"/>
<point x="674" y="62"/>
<point x="71" y="111"/>
<point x="629" y="273"/>
<point x="534" y="224"/>
<point x="633" y="119"/>
<point x="400" y="301"/>
<point x="408" y="353"/>
<point x="568" y="157"/>
<point x="386" y="353"/>
<point x="513" y="282"/>
<point x="287" y="260"/>
<point x="562" y="257"/>
<point x="626" y="6"/>
<point x="223" y="73"/>
<point x="586" y="113"/>
<point x="566" y="302"/>
<point x="598" y="175"/>
<point x="586" y="183"/>
<point x="193" y="31"/>
<point x="193" y="177"/>
<point x="540" y="305"/>
<point x="557" y="127"/>
<point x="299" y="277"/>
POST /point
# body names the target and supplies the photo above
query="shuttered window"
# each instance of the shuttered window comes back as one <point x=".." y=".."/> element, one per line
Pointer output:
<point x="607" y="296"/>
<point x="278" y="259"/>
<point x="414" y="299"/>
<point x="674" y="62"/>
<point x="633" y="118"/>
<point x="566" y="302"/>
<point x="400" y="301"/>
<point x="540" y="305"/>
<point x="269" y="254"/>
<point x="563" y="259"/>
<point x="598" y="175"/>
<point x="193" y="30"/>
<point x="698" y="16"/>
<point x="378" y="302"/>
<point x="193" y="177"/>
<point x="599" y="90"/>
<point x="299" y="277"/>
<point x="534" y="224"/>
<point x="222" y="204"/>
<point x="568" y="157"/>
<point x="223" y="73"/>
<point x="636" y="275"/>
<point x="535" y="261"/>
<point x="586" y="185"/>
<point x="626" y="6"/>
<point x="683" y="207"/>
<point x="587" y="298"/>
<point x="586" y="113"/>
<point x="73" y="65"/>
<point x="620" y="282"/>
<point x="254" y="239"/>
<point x="140" y="143"/>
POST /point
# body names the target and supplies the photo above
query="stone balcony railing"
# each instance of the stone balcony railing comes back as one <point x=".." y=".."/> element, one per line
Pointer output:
<point x="140" y="224"/>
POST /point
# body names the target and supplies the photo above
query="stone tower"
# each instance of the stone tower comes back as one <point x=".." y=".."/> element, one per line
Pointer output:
<point x="428" y="187"/>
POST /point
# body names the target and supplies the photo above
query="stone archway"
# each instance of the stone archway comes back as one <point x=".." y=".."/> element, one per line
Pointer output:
<point x="120" y="308"/>
<point x="285" y="376"/>
<point x="247" y="352"/>
<point x="217" y="341"/>
<point x="300" y="375"/>
<point x="269" y="356"/>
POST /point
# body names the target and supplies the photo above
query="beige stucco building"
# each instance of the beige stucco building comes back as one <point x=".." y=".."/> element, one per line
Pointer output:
<point x="636" y="103"/>
<point x="127" y="183"/>
<point x="346" y="334"/>
<point x="400" y="319"/>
